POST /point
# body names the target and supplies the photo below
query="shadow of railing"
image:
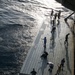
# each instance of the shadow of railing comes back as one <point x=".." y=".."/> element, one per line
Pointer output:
<point x="72" y="30"/>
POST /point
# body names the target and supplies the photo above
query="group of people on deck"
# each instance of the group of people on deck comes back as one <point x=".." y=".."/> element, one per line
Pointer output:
<point x="45" y="54"/>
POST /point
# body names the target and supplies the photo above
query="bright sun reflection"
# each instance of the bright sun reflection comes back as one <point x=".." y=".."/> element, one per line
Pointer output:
<point x="50" y="3"/>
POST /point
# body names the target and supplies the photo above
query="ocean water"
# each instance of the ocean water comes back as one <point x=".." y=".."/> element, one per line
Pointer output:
<point x="18" y="18"/>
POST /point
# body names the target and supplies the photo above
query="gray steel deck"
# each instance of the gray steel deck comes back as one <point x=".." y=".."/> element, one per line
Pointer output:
<point x="56" y="52"/>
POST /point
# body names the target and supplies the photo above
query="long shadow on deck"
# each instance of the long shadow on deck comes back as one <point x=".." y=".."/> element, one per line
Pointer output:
<point x="67" y="58"/>
<point x="52" y="41"/>
<point x="59" y="28"/>
<point x="43" y="65"/>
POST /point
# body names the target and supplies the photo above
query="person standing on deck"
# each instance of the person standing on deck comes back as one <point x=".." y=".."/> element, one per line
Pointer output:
<point x="45" y="41"/>
<point x="59" y="13"/>
<point x="51" y="13"/>
<point x="62" y="63"/>
<point x="55" y="16"/>
<point x="33" y="72"/>
<point x="66" y="39"/>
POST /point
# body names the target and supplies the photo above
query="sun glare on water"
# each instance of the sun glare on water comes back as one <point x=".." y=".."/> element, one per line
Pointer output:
<point x="50" y="3"/>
